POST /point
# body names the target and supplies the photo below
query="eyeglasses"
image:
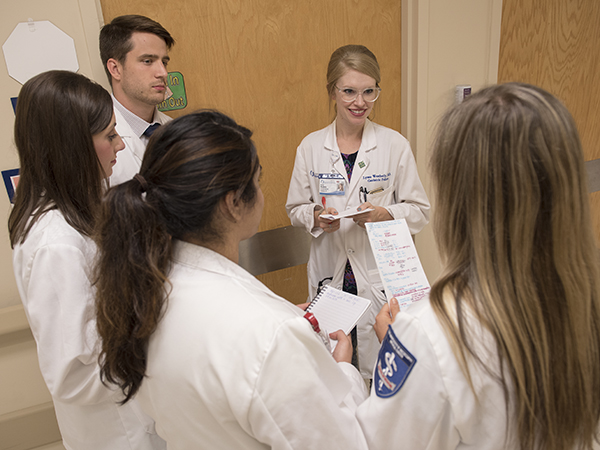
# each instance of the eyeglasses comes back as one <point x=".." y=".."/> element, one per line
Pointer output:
<point x="350" y="94"/>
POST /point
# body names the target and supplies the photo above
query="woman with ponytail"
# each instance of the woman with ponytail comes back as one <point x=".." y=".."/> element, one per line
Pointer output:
<point x="216" y="358"/>
<point x="67" y="143"/>
<point x="506" y="352"/>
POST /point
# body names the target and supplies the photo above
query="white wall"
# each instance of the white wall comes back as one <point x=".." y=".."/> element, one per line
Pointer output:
<point x="445" y="43"/>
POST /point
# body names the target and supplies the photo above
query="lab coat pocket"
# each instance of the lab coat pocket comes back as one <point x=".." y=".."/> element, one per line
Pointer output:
<point x="382" y="198"/>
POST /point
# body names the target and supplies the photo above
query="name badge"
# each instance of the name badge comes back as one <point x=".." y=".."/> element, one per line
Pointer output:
<point x="394" y="365"/>
<point x="331" y="184"/>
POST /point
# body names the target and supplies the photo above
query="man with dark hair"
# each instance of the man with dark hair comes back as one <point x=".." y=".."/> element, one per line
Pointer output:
<point x="135" y="53"/>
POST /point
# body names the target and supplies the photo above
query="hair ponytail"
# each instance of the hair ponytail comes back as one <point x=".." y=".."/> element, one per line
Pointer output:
<point x="190" y="164"/>
<point x="136" y="250"/>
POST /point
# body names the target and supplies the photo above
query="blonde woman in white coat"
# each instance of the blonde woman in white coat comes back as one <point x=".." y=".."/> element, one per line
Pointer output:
<point x="67" y="143"/>
<point x="353" y="163"/>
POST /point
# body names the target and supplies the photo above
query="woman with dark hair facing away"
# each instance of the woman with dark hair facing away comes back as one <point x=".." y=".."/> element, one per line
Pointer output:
<point x="353" y="163"/>
<point x="67" y="144"/>
<point x="505" y="353"/>
<point x="217" y="359"/>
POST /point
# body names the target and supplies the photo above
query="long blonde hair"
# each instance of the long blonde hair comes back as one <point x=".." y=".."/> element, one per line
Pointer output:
<point x="514" y="229"/>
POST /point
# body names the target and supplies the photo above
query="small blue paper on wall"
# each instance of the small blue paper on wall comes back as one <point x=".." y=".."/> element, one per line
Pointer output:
<point x="11" y="179"/>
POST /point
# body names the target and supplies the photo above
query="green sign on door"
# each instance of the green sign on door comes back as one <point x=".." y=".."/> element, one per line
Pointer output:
<point x="178" y="100"/>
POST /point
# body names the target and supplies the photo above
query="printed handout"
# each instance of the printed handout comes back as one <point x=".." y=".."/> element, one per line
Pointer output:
<point x="397" y="260"/>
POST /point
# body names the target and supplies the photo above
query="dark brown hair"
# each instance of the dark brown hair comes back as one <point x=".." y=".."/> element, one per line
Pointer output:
<point x="115" y="37"/>
<point x="189" y="167"/>
<point x="513" y="226"/>
<point x="57" y="114"/>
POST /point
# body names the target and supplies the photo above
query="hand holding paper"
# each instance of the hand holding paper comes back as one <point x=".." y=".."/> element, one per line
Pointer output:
<point x="345" y="214"/>
<point x="323" y="220"/>
<point x="370" y="213"/>
<point x="342" y="346"/>
<point x="385" y="318"/>
<point x="338" y="310"/>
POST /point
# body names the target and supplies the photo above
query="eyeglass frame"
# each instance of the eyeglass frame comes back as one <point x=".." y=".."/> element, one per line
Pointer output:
<point x="376" y="88"/>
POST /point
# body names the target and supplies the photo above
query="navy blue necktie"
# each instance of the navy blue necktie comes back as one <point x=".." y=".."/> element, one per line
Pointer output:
<point x="151" y="129"/>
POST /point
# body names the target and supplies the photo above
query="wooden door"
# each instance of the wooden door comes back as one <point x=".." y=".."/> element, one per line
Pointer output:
<point x="264" y="63"/>
<point x="555" y="44"/>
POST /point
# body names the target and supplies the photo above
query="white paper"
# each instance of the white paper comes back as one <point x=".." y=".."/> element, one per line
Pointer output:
<point x="348" y="213"/>
<point x="35" y="47"/>
<point x="397" y="260"/>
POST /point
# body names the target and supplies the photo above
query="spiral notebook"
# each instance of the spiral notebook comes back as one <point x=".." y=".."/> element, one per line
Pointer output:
<point x="338" y="310"/>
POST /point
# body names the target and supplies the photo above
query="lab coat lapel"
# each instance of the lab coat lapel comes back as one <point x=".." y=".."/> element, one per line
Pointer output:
<point x="335" y="157"/>
<point x="367" y="144"/>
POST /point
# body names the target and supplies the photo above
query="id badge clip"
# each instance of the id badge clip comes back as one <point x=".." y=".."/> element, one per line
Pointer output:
<point x="331" y="184"/>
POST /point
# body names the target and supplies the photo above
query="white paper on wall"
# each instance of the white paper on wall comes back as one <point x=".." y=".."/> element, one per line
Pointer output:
<point x="36" y="47"/>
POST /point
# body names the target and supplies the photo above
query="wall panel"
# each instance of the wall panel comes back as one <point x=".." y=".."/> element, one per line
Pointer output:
<point x="555" y="44"/>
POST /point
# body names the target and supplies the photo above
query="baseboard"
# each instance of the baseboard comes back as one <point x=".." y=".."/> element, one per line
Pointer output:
<point x="29" y="428"/>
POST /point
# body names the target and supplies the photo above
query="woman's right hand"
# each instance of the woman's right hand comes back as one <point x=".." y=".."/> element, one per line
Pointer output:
<point x="385" y="318"/>
<point x="343" y="350"/>
<point x="329" y="226"/>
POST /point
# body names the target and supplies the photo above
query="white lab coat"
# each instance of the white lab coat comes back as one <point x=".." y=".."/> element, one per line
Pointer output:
<point x="129" y="160"/>
<point x="384" y="160"/>
<point x="52" y="270"/>
<point x="435" y="408"/>
<point x="234" y="366"/>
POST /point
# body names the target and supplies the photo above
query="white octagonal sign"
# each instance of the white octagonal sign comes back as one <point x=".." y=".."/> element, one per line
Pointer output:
<point x="35" y="47"/>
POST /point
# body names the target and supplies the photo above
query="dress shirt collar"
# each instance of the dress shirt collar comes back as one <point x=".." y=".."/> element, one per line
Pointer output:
<point x="137" y="124"/>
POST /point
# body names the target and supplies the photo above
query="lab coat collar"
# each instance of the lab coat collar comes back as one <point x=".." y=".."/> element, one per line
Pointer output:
<point x="208" y="260"/>
<point x="368" y="143"/>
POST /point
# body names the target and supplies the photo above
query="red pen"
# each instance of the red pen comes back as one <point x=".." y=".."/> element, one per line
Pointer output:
<point x="324" y="202"/>
<point x="322" y="333"/>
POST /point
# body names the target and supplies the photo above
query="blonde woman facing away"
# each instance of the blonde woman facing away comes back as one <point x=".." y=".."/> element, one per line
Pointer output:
<point x="505" y="353"/>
